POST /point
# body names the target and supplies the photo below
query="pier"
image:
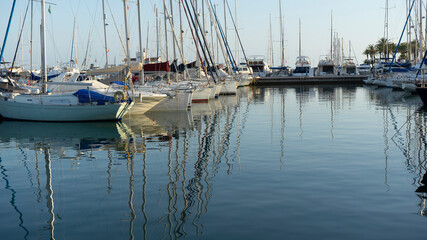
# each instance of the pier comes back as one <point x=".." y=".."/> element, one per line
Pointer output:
<point x="289" y="80"/>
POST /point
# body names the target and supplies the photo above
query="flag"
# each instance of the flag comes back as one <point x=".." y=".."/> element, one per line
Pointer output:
<point x="49" y="10"/>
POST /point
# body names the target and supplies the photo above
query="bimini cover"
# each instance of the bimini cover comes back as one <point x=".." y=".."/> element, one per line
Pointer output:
<point x="87" y="96"/>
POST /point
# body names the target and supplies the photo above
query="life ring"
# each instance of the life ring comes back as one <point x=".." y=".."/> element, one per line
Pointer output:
<point x="119" y="96"/>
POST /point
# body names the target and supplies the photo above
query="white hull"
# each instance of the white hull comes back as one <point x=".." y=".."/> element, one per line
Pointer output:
<point x="369" y="81"/>
<point x="380" y="82"/>
<point x="244" y="81"/>
<point x="62" y="113"/>
<point x="229" y="87"/>
<point x="201" y="94"/>
<point x="144" y="104"/>
<point x="180" y="101"/>
<point x="409" y="87"/>
<point x="217" y="90"/>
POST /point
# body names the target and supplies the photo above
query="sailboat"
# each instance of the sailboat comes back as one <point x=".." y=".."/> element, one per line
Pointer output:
<point x="83" y="105"/>
<point x="349" y="66"/>
<point x="326" y="66"/>
<point x="302" y="64"/>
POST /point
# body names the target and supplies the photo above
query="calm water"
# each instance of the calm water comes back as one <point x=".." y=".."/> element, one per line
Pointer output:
<point x="271" y="163"/>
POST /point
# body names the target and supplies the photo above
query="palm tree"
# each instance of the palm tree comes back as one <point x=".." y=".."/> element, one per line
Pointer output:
<point x="366" y="52"/>
<point x="381" y="46"/>
<point x="403" y="50"/>
<point x="391" y="48"/>
<point x="370" y="52"/>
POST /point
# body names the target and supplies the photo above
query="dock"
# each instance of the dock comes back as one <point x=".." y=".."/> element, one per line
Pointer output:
<point x="290" y="80"/>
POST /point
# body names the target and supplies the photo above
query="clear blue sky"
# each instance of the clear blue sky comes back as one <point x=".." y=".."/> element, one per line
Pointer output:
<point x="361" y="22"/>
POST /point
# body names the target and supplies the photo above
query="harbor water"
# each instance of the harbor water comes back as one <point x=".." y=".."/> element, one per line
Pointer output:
<point x="328" y="162"/>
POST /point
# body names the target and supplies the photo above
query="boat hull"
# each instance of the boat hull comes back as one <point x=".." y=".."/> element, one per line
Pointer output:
<point x="144" y="104"/>
<point x="202" y="94"/>
<point x="229" y="88"/>
<point x="422" y="91"/>
<point x="62" y="113"/>
<point x="178" y="101"/>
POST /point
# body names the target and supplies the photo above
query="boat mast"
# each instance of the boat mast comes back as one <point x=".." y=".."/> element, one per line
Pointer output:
<point x="141" y="73"/>
<point x="217" y="38"/>
<point x="385" y="43"/>
<point x="221" y="35"/>
<point x="421" y="29"/>
<point x="147" y="47"/>
<point x="166" y="32"/>
<point x="175" y="38"/>
<point x="282" y="40"/>
<point x="181" y="32"/>
<point x="299" y="45"/>
<point x="157" y="33"/>
<point x="43" y="51"/>
<point x="105" y="34"/>
<point x="173" y="24"/>
<point x="408" y="46"/>
<point x="342" y="51"/>
<point x="31" y="40"/>
<point x="331" y="36"/>
<point x="425" y="37"/>
<point x="271" y="54"/>
<point x="127" y="42"/>
<point x="225" y="21"/>
<point x="22" y="44"/>
<point x="203" y="17"/>
<point x="73" y="42"/>
<point x="212" y="42"/>
<point x="236" y="37"/>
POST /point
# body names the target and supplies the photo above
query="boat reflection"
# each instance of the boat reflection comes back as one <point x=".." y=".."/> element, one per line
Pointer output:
<point x="410" y="138"/>
<point x="168" y="163"/>
<point x="155" y="176"/>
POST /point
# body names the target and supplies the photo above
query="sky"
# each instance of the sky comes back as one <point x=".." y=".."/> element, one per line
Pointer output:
<point x="359" y="22"/>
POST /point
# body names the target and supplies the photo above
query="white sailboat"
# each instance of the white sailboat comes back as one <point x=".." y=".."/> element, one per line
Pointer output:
<point x="326" y="65"/>
<point x="302" y="64"/>
<point x="84" y="105"/>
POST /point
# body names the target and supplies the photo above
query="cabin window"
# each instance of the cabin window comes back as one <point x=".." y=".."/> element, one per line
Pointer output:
<point x="302" y="70"/>
<point x="351" y="70"/>
<point x="328" y="69"/>
<point x="258" y="69"/>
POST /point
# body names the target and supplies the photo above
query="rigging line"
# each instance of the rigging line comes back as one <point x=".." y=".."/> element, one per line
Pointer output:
<point x="196" y="36"/>
<point x="7" y="31"/>
<point x="19" y="39"/>
<point x="56" y="52"/>
<point x="117" y="29"/>
<point x="237" y="32"/>
<point x="185" y="7"/>
<point x="227" y="46"/>
<point x="224" y="39"/>
<point x="92" y="28"/>
<point x="403" y="32"/>
<point x="204" y="45"/>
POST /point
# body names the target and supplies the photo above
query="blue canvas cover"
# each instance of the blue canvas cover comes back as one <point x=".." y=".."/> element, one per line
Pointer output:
<point x="87" y="96"/>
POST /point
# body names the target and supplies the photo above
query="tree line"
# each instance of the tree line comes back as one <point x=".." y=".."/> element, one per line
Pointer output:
<point x="385" y="49"/>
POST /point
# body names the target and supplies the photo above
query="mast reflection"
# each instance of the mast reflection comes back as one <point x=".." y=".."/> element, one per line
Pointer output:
<point x="3" y="172"/>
